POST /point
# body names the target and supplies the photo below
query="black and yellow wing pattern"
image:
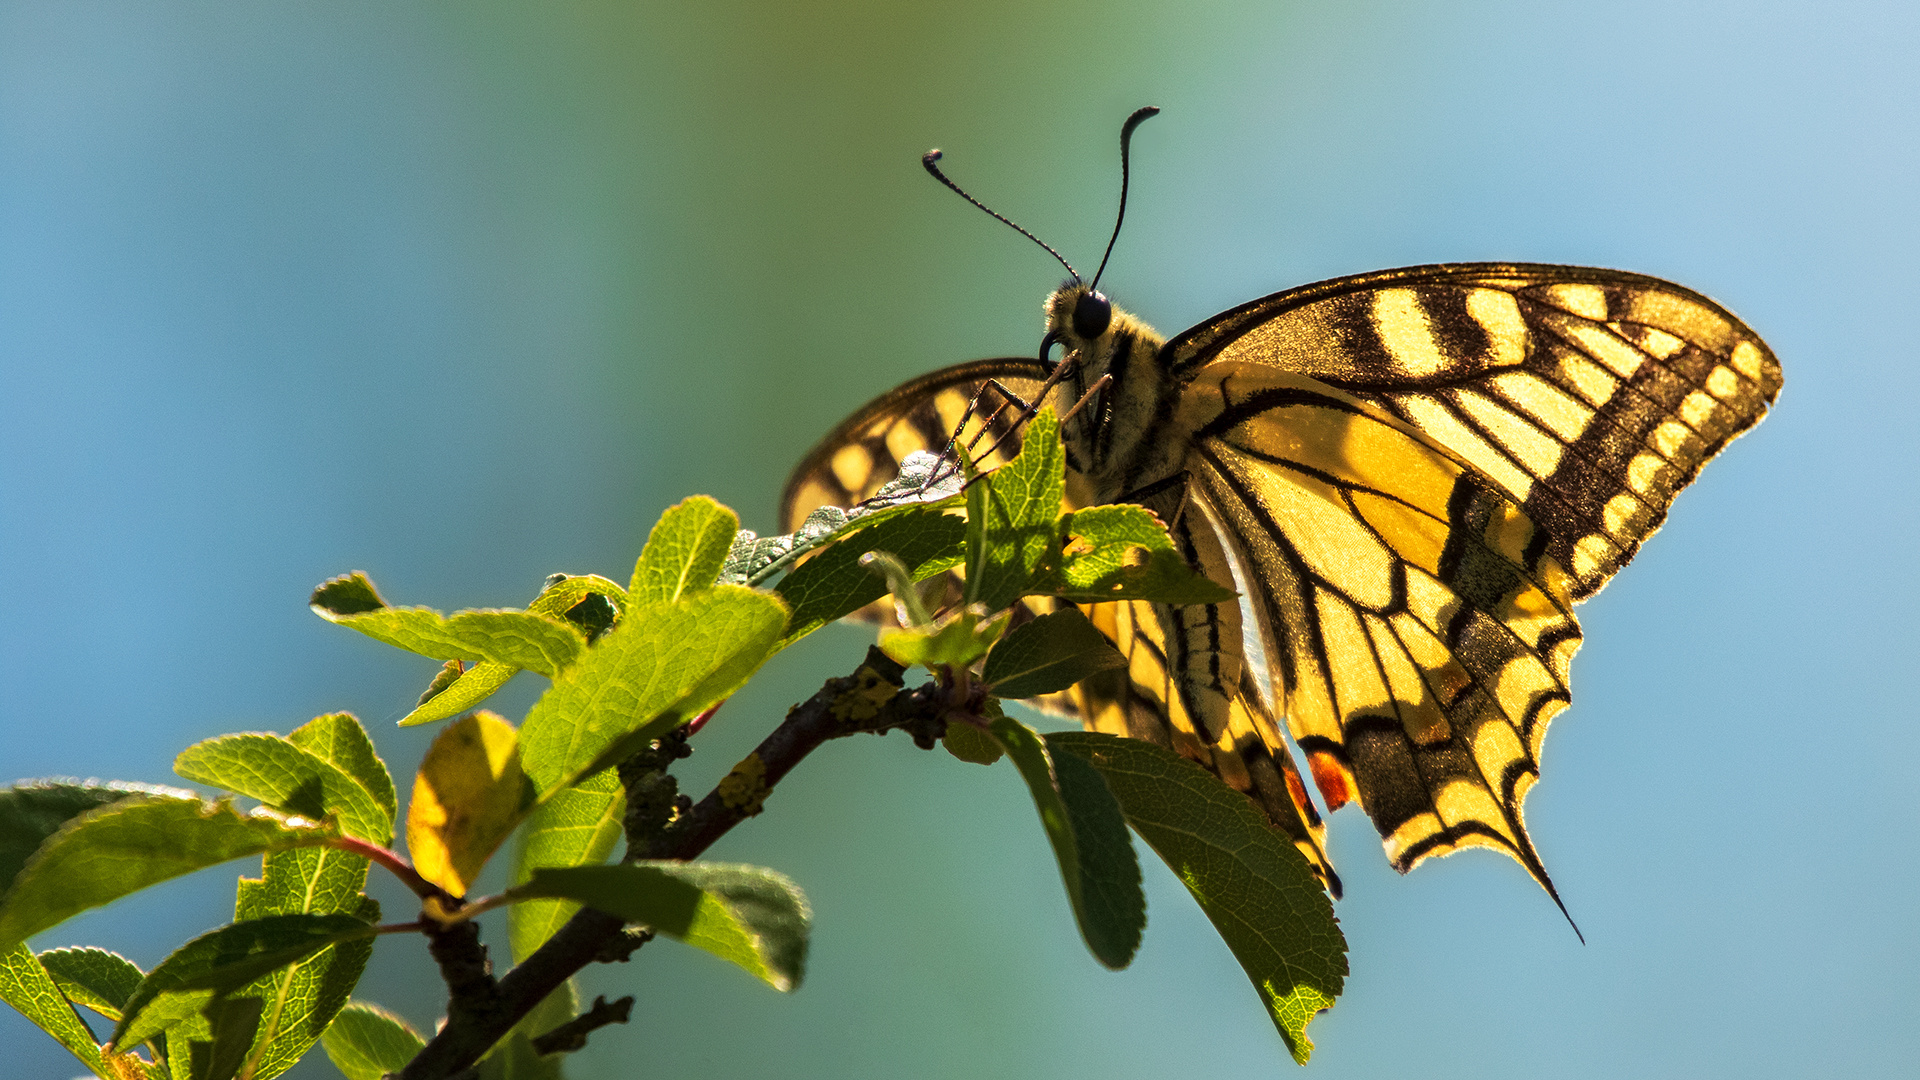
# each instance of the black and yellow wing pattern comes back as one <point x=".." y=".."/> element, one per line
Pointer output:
<point x="1410" y="477"/>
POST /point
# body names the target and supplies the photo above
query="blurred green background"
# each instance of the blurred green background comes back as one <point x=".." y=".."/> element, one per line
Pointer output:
<point x="461" y="295"/>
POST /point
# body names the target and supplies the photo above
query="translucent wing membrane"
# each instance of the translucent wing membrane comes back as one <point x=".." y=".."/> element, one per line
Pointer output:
<point x="1415" y="630"/>
<point x="1590" y="397"/>
<point x="865" y="451"/>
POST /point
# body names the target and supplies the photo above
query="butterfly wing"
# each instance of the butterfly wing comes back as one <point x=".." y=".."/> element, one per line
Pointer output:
<point x="865" y="450"/>
<point x="1405" y="616"/>
<point x="1590" y="397"/>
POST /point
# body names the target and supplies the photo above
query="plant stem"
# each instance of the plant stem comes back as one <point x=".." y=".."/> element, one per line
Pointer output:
<point x="397" y="866"/>
<point x="870" y="700"/>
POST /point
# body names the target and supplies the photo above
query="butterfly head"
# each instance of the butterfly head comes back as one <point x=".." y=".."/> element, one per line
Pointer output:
<point x="1087" y="327"/>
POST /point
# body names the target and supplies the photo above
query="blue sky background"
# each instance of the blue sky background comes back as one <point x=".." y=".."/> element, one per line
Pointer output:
<point x="464" y="295"/>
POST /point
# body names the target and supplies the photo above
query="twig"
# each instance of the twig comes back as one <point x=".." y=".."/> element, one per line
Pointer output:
<point x="572" y="1035"/>
<point x="870" y="700"/>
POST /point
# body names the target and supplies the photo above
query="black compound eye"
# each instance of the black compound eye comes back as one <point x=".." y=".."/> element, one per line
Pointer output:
<point x="1091" y="315"/>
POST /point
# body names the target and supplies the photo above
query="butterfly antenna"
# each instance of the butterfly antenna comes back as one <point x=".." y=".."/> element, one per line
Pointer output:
<point x="929" y="158"/>
<point x="1140" y="116"/>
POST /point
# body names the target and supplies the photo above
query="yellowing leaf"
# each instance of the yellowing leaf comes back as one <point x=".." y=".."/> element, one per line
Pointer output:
<point x="470" y="793"/>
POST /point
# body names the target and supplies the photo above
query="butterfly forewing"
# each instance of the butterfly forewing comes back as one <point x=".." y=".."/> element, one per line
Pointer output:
<point x="1591" y="397"/>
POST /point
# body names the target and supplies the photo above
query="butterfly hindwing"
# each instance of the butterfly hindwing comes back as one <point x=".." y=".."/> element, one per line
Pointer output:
<point x="1414" y="630"/>
<point x="865" y="450"/>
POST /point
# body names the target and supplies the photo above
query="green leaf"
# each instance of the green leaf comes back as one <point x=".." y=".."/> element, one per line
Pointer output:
<point x="565" y="592"/>
<point x="1019" y="516"/>
<point x="298" y="1001"/>
<point x="1249" y="879"/>
<point x="96" y="978"/>
<point x="1089" y="840"/>
<point x="684" y="551"/>
<point x="366" y="1042"/>
<point x="833" y="584"/>
<point x="211" y="1042"/>
<point x="1123" y="552"/>
<point x="348" y="594"/>
<point x="954" y="640"/>
<point x="264" y="766"/>
<point x="25" y="985"/>
<point x="473" y="686"/>
<point x="513" y="1057"/>
<point x="34" y="810"/>
<point x="1048" y="654"/>
<point x="340" y="741"/>
<point x="971" y="744"/>
<point x="577" y="827"/>
<point x="140" y="840"/>
<point x="223" y="960"/>
<point x="748" y="915"/>
<point x="519" y="638"/>
<point x="469" y="795"/>
<point x="657" y="668"/>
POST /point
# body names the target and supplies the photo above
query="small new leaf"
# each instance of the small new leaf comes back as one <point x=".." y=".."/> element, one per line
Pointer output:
<point x="461" y="693"/>
<point x="747" y="915"/>
<point x="469" y="794"/>
<point x="1249" y="879"/>
<point x="1123" y="552"/>
<point x="1048" y="654"/>
<point x="1089" y="839"/>
<point x="222" y="960"/>
<point x="684" y="551"/>
<point x="954" y="640"/>
<point x="565" y="592"/>
<point x="140" y="840"/>
<point x="366" y="1042"/>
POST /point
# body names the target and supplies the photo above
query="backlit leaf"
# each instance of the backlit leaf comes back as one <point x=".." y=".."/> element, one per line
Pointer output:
<point x="340" y="741"/>
<point x="469" y="794"/>
<point x="264" y="766"/>
<point x="833" y="584"/>
<point x="658" y="667"/>
<point x="140" y="840"/>
<point x="222" y="960"/>
<point x="366" y="1042"/>
<point x="1123" y="552"/>
<point x="577" y="827"/>
<point x="684" y="552"/>
<point x="1018" y="512"/>
<point x="96" y="978"/>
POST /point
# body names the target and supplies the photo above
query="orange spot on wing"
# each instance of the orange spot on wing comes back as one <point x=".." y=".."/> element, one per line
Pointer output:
<point x="1331" y="779"/>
